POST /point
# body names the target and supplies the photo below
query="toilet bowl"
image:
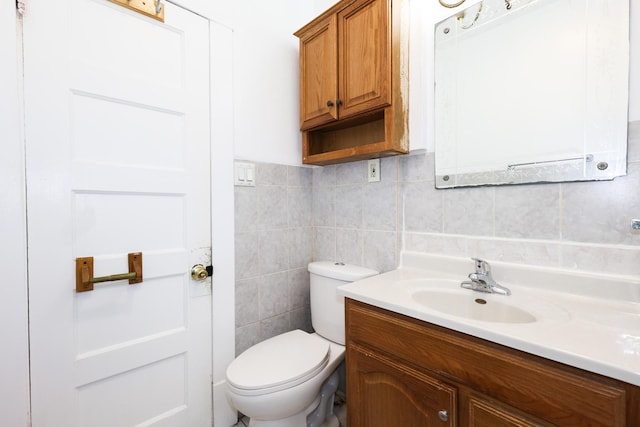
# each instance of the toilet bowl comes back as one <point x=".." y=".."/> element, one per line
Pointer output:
<point x="275" y="383"/>
<point x="290" y="380"/>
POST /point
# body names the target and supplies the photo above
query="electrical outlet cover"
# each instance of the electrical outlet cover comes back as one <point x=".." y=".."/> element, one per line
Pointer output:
<point x="373" y="170"/>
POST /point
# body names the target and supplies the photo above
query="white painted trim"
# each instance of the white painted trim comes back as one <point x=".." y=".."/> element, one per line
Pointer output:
<point x="222" y="214"/>
<point x="218" y="11"/>
<point x="14" y="369"/>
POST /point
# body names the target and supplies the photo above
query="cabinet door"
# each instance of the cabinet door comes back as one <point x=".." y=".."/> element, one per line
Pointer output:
<point x="319" y="74"/>
<point x="485" y="414"/>
<point x="385" y="393"/>
<point x="364" y="48"/>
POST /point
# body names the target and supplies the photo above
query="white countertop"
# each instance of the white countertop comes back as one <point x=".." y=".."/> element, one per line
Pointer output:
<point x="585" y="320"/>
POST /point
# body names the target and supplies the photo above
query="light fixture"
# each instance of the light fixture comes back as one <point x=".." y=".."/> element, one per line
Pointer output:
<point x="451" y="5"/>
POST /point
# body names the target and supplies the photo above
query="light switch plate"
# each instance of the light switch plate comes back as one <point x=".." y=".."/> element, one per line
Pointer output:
<point x="245" y="174"/>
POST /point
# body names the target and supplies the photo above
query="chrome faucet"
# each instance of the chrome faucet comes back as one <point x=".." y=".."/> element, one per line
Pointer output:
<point x="482" y="281"/>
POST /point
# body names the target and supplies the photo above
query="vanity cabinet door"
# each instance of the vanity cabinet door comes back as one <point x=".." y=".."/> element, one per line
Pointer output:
<point x="383" y="393"/>
<point x="483" y="413"/>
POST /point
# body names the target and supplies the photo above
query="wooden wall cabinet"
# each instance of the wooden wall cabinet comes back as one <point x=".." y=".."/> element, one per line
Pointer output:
<point x="354" y="82"/>
<point x="402" y="371"/>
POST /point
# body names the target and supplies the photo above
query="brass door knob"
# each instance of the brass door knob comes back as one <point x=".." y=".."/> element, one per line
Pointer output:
<point x="199" y="272"/>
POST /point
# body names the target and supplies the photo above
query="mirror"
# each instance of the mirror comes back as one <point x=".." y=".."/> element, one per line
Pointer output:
<point x="531" y="91"/>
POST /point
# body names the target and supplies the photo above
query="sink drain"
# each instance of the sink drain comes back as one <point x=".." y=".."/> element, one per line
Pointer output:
<point x="481" y="301"/>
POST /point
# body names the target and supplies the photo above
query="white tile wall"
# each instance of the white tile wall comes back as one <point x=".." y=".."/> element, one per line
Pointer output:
<point x="273" y="247"/>
<point x="356" y="221"/>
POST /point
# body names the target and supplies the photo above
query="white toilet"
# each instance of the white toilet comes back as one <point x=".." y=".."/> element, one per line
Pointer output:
<point x="290" y="380"/>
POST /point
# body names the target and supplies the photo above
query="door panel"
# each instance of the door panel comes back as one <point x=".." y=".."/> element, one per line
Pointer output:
<point x="123" y="391"/>
<point x="117" y="112"/>
<point x="111" y="132"/>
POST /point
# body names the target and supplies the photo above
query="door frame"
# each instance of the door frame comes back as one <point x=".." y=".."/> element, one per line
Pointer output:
<point x="222" y="217"/>
<point x="14" y="393"/>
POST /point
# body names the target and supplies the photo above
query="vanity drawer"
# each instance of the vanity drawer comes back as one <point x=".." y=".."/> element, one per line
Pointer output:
<point x="559" y="394"/>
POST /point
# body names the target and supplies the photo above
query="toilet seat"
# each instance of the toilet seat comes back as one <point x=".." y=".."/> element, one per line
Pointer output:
<point x="278" y="363"/>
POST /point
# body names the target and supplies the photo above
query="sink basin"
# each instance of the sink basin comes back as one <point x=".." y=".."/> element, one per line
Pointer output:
<point x="472" y="305"/>
<point x="447" y="297"/>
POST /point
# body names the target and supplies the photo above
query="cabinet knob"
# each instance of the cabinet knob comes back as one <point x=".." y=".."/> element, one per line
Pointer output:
<point x="443" y="415"/>
<point x="329" y="103"/>
<point x="339" y="102"/>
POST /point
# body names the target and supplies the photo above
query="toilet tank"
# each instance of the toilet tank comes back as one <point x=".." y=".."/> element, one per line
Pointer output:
<point x="327" y="307"/>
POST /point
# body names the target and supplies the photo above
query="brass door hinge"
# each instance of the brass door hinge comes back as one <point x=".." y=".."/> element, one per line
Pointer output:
<point x="21" y="6"/>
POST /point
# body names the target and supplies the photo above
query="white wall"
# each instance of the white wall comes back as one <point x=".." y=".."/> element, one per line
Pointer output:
<point x="220" y="12"/>
<point x="634" y="72"/>
<point x="266" y="93"/>
<point x="265" y="70"/>
<point x="14" y="388"/>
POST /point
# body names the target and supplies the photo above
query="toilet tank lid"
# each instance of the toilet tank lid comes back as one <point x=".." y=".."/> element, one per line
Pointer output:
<point x="340" y="271"/>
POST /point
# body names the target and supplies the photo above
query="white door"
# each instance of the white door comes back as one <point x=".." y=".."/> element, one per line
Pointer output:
<point x="117" y="153"/>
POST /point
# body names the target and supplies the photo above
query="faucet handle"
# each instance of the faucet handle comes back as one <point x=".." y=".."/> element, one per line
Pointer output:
<point x="482" y="266"/>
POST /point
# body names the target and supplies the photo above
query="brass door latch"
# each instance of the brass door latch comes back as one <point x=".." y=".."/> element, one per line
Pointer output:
<point x="200" y="273"/>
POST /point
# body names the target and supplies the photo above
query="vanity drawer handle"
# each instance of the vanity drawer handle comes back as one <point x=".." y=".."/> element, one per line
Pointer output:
<point x="443" y="415"/>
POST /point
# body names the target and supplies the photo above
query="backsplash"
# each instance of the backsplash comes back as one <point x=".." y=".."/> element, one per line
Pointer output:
<point x="355" y="221"/>
<point x="296" y="214"/>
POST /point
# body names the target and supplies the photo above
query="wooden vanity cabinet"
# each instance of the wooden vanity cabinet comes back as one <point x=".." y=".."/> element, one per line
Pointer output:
<point x="354" y="82"/>
<point x="403" y="371"/>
